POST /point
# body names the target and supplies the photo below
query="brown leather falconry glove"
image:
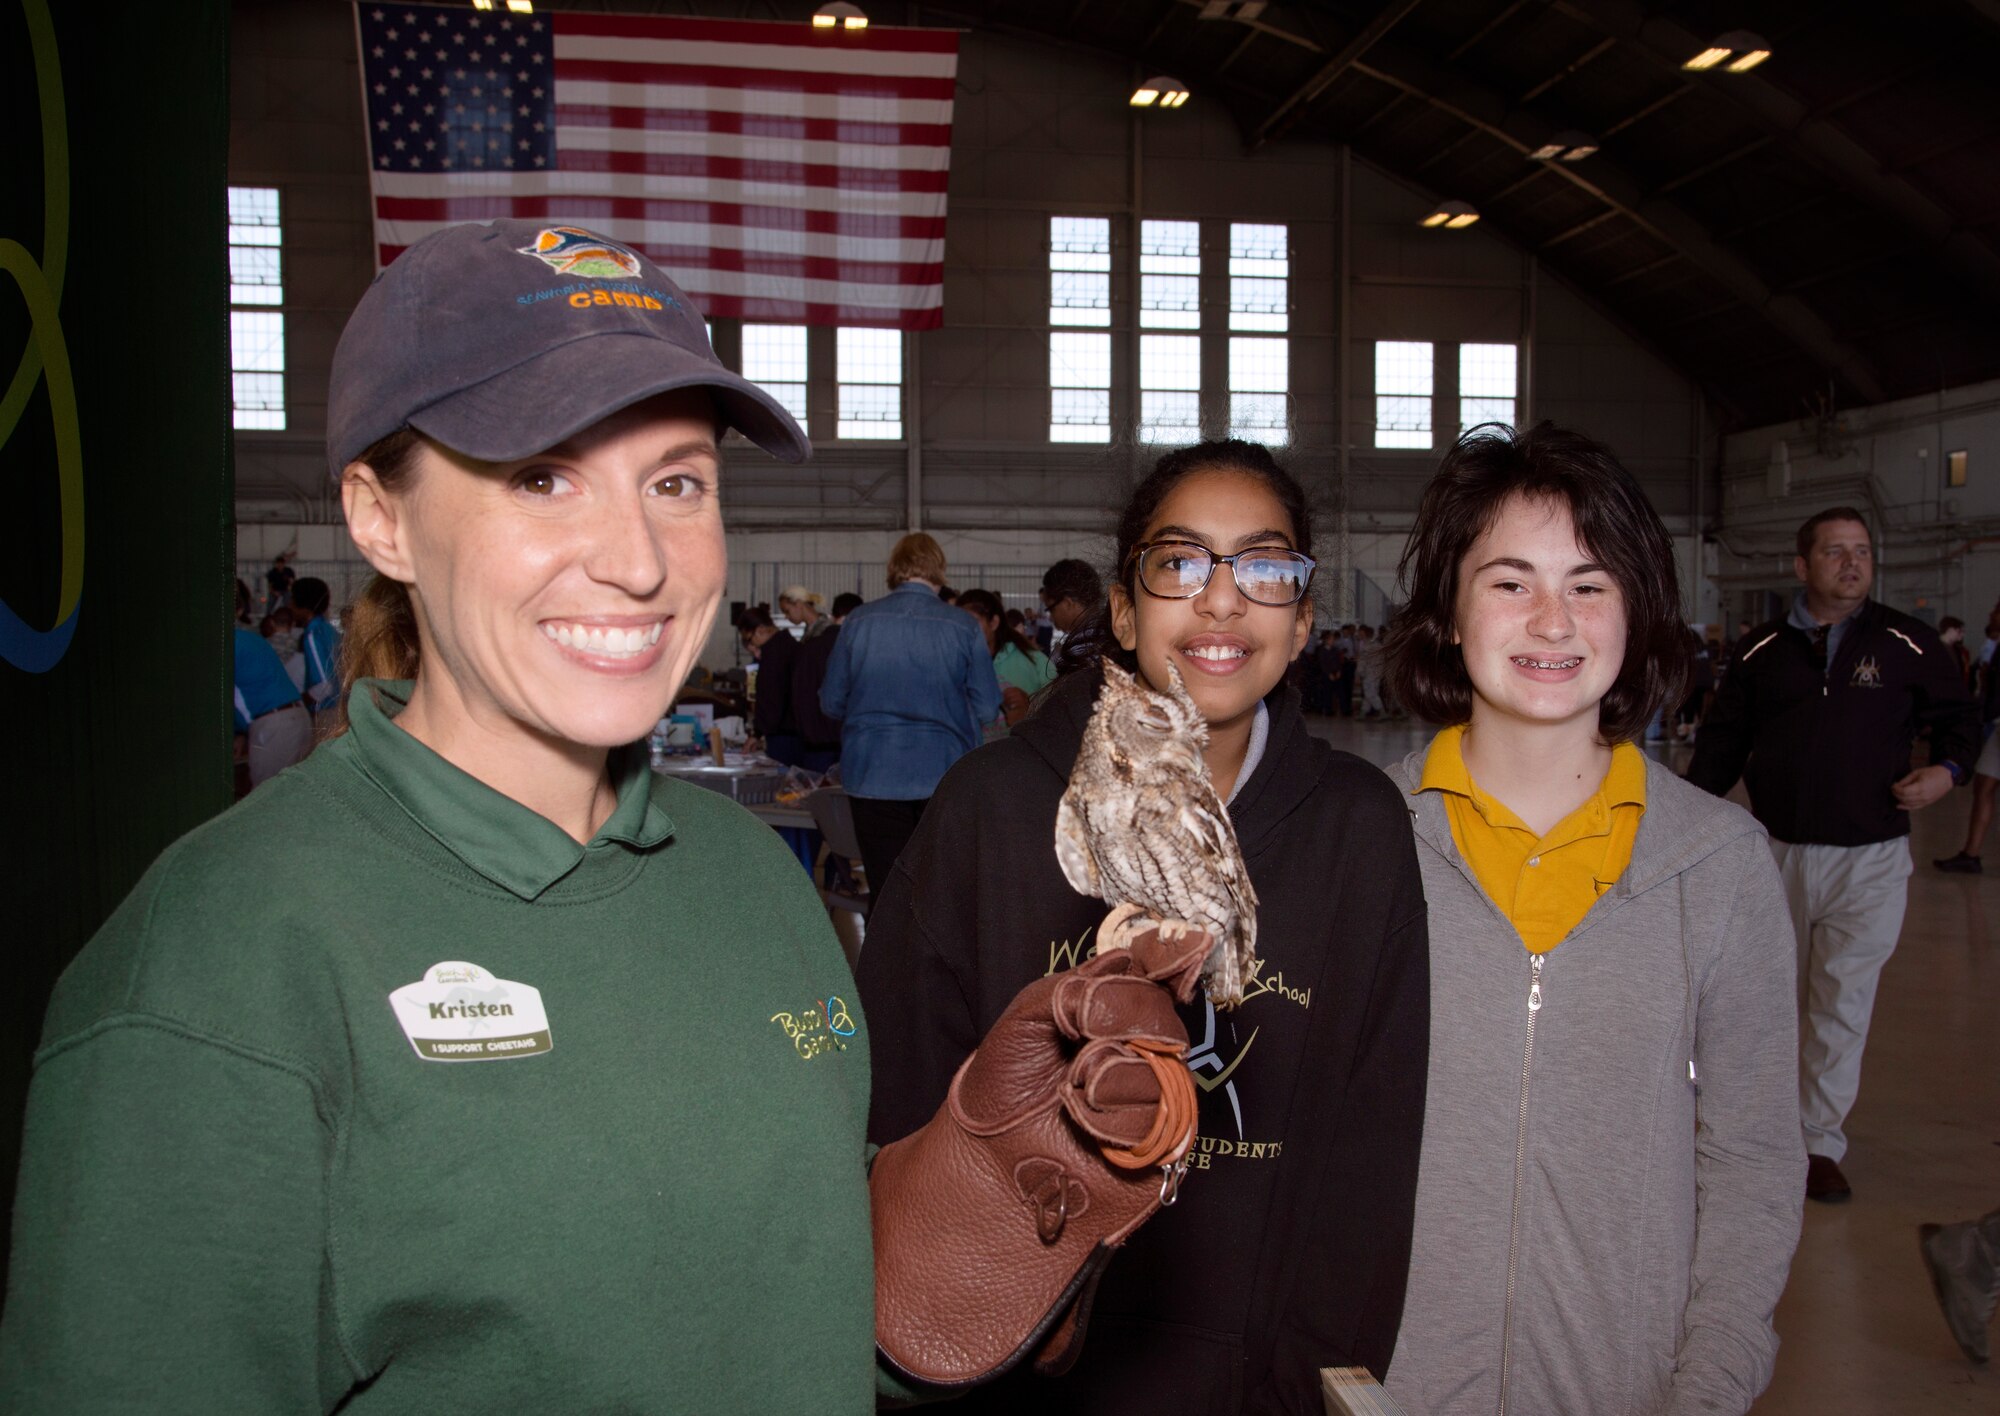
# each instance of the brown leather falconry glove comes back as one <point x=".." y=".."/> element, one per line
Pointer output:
<point x="1060" y="1136"/>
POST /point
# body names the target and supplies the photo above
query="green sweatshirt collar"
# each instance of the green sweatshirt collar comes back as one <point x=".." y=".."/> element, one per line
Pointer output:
<point x="517" y="849"/>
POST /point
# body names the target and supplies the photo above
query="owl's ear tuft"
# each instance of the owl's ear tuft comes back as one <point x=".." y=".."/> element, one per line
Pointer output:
<point x="1116" y="677"/>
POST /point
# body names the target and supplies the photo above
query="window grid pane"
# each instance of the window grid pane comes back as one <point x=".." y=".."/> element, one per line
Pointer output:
<point x="1079" y="415"/>
<point x="870" y="411"/>
<point x="870" y="356"/>
<point x="1079" y="294"/>
<point x="1259" y="271"/>
<point x="1486" y="370"/>
<point x="1474" y="411"/>
<point x="1079" y="360"/>
<point x="774" y="353"/>
<point x="1168" y="417"/>
<point x="1078" y="297"/>
<point x="1259" y="417"/>
<point x="1403" y="387"/>
<point x="1258" y="365"/>
<point x="256" y="341"/>
<point x="1169" y="275"/>
<point x="1170" y="361"/>
<point x="256" y="277"/>
<point x="253" y="206"/>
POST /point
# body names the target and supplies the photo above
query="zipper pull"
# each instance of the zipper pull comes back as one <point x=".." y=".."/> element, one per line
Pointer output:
<point x="1535" y="986"/>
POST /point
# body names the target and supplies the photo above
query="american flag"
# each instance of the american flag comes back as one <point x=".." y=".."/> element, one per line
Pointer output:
<point x="776" y="171"/>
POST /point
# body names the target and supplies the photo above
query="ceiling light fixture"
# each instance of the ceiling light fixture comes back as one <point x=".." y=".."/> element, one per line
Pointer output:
<point x="1453" y="216"/>
<point x="1737" y="52"/>
<point x="839" y="13"/>
<point x="521" y="7"/>
<point x="1566" y="146"/>
<point x="1160" y="90"/>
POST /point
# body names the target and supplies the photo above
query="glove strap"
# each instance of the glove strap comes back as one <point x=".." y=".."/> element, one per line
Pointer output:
<point x="1173" y="1116"/>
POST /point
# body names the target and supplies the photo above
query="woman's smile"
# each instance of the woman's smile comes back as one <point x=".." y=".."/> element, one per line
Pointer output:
<point x="621" y="644"/>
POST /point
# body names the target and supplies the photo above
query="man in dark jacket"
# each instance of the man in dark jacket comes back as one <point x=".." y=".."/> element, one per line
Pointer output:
<point x="1289" y="1247"/>
<point x="1818" y="715"/>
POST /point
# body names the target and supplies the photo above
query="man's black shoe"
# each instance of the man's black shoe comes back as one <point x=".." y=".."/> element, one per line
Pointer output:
<point x="1961" y="864"/>
<point x="1824" y="1182"/>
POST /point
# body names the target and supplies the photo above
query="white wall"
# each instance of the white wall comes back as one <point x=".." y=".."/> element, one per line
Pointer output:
<point x="1937" y="548"/>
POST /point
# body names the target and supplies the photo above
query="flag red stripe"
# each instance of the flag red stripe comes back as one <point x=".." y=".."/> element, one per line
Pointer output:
<point x="584" y="209"/>
<point x="756" y="125"/>
<point x="778" y="80"/>
<point x="742" y="307"/>
<point x="893" y="40"/>
<point x="747" y="169"/>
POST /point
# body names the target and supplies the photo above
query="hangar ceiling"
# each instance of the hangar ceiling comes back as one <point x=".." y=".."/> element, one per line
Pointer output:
<point x="1820" y="231"/>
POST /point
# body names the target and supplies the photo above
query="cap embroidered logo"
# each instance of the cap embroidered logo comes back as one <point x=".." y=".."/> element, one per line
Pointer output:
<point x="571" y="250"/>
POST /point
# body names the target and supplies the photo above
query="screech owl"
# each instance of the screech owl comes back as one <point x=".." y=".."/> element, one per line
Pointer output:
<point x="1141" y="825"/>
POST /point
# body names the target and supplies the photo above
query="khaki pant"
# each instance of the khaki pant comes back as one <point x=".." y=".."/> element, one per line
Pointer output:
<point x="1847" y="908"/>
<point x="277" y="740"/>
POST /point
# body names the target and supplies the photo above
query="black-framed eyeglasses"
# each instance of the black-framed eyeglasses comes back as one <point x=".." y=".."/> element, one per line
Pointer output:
<point x="1181" y="570"/>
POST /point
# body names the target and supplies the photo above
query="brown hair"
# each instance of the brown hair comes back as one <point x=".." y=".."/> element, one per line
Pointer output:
<point x="378" y="636"/>
<point x="1809" y="532"/>
<point x="1614" y="523"/>
<point x="916" y="557"/>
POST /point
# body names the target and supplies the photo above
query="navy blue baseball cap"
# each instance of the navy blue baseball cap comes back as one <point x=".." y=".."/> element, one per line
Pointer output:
<point x="500" y="339"/>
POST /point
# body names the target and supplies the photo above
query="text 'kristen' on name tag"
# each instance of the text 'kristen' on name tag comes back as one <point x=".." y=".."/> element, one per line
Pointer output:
<point x="458" y="1012"/>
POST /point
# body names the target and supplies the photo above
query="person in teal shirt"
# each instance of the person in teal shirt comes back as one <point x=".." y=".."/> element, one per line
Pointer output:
<point x="1022" y="669"/>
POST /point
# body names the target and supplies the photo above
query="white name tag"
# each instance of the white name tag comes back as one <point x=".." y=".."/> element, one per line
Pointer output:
<point x="458" y="1012"/>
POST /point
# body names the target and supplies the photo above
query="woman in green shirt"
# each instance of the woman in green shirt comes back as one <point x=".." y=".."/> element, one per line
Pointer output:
<point x="1023" y="670"/>
<point x="544" y="1086"/>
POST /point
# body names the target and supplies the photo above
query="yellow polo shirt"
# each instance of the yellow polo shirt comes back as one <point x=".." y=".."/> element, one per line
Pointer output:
<point x="1545" y="884"/>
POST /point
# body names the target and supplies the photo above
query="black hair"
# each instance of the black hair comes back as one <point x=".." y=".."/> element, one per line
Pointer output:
<point x="1810" y="531"/>
<point x="310" y="594"/>
<point x="242" y="602"/>
<point x="1094" y="639"/>
<point x="1072" y="579"/>
<point x="846" y="603"/>
<point x="1614" y="522"/>
<point x="988" y="605"/>
<point x="753" y="618"/>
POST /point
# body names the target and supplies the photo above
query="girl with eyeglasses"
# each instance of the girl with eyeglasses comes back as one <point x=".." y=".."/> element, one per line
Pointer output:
<point x="1288" y="1248"/>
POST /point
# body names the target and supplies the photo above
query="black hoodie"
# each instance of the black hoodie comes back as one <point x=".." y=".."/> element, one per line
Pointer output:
<point x="1289" y="1247"/>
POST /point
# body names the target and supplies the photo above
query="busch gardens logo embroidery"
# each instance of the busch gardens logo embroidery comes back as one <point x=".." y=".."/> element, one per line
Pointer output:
<point x="822" y="1028"/>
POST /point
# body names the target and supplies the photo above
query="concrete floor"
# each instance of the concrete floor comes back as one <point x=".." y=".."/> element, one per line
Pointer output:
<point x="1860" y="1330"/>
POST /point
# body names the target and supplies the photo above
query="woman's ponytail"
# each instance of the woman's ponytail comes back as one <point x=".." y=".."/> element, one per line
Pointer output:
<point x="378" y="632"/>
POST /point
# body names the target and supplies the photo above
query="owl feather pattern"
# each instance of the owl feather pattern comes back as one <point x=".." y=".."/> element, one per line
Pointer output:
<point x="1141" y="825"/>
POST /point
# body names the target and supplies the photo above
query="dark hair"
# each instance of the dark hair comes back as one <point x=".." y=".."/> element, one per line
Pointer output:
<point x="1950" y="622"/>
<point x="987" y="605"/>
<point x="1073" y="579"/>
<point x="754" y="618"/>
<point x="1093" y="639"/>
<point x="846" y="603"/>
<point x="1614" y="523"/>
<point x="1810" y="531"/>
<point x="242" y="601"/>
<point x="310" y="594"/>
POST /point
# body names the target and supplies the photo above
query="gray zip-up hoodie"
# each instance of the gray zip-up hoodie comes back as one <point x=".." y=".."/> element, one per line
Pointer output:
<point x="1596" y="1233"/>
